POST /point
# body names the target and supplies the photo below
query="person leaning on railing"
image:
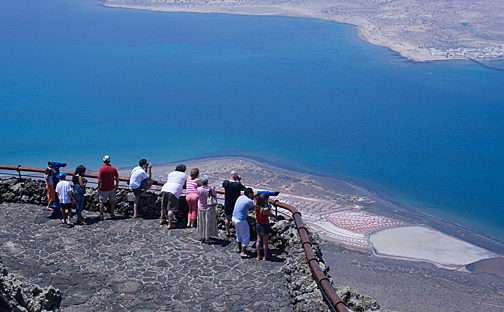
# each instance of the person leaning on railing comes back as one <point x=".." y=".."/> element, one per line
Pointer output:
<point x="192" y="184"/>
<point x="140" y="182"/>
<point x="170" y="194"/>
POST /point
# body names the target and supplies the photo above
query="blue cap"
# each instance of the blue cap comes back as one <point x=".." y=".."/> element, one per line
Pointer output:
<point x="62" y="174"/>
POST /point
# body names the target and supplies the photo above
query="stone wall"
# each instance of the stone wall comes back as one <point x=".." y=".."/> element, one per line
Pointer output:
<point x="15" y="190"/>
<point x="303" y="289"/>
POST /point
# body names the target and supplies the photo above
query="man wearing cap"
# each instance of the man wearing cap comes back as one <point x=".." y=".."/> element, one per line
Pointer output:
<point x="106" y="177"/>
<point x="65" y="194"/>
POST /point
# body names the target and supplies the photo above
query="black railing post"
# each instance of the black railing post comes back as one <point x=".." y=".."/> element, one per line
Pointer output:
<point x="19" y="172"/>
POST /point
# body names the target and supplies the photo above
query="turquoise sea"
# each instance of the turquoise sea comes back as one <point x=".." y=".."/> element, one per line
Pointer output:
<point x="79" y="80"/>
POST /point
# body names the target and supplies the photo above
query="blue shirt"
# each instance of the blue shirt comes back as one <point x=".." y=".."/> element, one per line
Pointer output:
<point x="243" y="203"/>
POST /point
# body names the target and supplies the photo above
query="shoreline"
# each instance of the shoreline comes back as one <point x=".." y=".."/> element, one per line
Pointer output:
<point x="342" y="215"/>
<point x="350" y="211"/>
<point x="364" y="30"/>
<point x="381" y="205"/>
<point x="330" y="208"/>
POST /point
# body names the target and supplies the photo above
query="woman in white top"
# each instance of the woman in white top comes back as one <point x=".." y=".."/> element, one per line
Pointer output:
<point x="170" y="194"/>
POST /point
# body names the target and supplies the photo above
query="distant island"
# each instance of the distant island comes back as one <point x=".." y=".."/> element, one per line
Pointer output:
<point x="419" y="30"/>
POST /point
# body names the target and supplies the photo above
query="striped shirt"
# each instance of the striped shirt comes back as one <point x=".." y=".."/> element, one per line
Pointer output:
<point x="191" y="186"/>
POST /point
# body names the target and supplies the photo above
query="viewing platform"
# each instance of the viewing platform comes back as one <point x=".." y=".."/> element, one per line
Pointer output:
<point x="131" y="264"/>
<point x="135" y="264"/>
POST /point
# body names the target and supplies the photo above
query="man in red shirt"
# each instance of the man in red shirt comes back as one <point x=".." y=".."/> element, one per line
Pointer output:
<point x="106" y="177"/>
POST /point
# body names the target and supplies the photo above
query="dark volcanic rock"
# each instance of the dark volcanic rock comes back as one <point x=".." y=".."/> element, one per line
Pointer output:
<point x="15" y="298"/>
<point x="302" y="287"/>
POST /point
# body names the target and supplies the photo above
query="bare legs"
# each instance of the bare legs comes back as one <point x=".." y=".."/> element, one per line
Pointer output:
<point x="50" y="202"/>
<point x="227" y="222"/>
<point x="242" y="250"/>
<point x="66" y="215"/>
<point x="102" y="208"/>
<point x="135" y="207"/>
<point x="112" y="209"/>
<point x="170" y="219"/>
<point x="264" y="239"/>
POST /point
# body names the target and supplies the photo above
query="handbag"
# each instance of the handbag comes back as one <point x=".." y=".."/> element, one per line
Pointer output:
<point x="211" y="200"/>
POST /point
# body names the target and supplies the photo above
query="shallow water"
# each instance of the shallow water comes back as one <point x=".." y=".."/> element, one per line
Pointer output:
<point x="79" y="80"/>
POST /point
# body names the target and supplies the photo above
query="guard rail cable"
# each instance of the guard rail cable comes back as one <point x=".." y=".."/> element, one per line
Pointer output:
<point x="335" y="303"/>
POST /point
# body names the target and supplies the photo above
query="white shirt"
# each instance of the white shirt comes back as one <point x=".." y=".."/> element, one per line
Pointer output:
<point x="137" y="176"/>
<point x="62" y="188"/>
<point x="174" y="183"/>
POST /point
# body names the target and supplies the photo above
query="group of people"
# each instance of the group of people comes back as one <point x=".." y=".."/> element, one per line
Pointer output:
<point x="236" y="207"/>
<point x="64" y="196"/>
<point x="200" y="198"/>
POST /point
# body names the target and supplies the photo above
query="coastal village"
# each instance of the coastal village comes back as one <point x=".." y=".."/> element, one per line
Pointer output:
<point x="344" y="248"/>
<point x="487" y="53"/>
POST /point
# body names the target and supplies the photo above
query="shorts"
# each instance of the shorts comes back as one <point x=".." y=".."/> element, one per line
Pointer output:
<point x="50" y="192"/>
<point x="107" y="195"/>
<point x="67" y="206"/>
<point x="169" y="201"/>
<point x="263" y="229"/>
<point x="228" y="208"/>
<point x="141" y="188"/>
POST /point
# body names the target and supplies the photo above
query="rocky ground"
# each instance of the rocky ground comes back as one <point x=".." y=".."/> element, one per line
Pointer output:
<point x="130" y="264"/>
<point x="14" y="296"/>
<point x="136" y="265"/>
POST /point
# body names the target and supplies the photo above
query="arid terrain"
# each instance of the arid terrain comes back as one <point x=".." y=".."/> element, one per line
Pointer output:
<point x="419" y="30"/>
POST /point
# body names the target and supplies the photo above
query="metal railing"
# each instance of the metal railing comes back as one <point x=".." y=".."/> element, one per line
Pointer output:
<point x="323" y="282"/>
<point x="334" y="301"/>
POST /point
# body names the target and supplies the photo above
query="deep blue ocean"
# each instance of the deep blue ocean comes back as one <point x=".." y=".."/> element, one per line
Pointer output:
<point x="79" y="80"/>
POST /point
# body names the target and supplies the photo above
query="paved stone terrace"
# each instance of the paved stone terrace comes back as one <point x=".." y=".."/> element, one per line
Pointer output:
<point x="136" y="265"/>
